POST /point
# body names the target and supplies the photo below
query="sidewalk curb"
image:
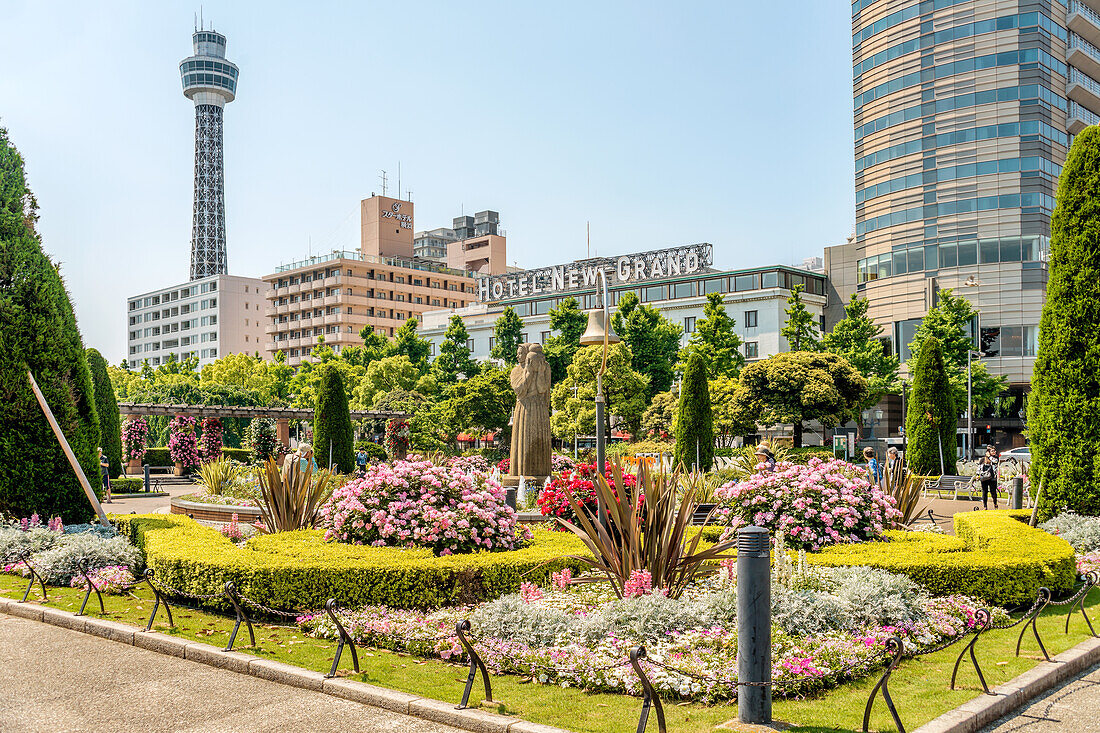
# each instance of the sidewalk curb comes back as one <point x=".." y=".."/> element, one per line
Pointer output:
<point x="478" y="721"/>
<point x="983" y="710"/>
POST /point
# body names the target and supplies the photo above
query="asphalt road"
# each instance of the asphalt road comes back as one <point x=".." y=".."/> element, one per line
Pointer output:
<point x="54" y="679"/>
<point x="1073" y="706"/>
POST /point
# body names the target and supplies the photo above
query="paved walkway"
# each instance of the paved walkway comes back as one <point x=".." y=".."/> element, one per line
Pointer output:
<point x="149" y="504"/>
<point x="1072" y="706"/>
<point x="60" y="680"/>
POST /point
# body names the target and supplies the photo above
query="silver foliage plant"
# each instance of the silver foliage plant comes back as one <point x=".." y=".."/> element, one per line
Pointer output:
<point x="61" y="562"/>
<point x="845" y="599"/>
<point x="1080" y="531"/>
<point x="15" y="541"/>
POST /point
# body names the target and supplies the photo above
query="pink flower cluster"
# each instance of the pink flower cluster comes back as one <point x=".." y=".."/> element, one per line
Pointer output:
<point x="562" y="579"/>
<point x="530" y="592"/>
<point x="211" y="443"/>
<point x="183" y="443"/>
<point x="233" y="529"/>
<point x="814" y="505"/>
<point x="108" y="579"/>
<point x="34" y="521"/>
<point x="415" y="503"/>
<point x="135" y="432"/>
<point x="639" y="584"/>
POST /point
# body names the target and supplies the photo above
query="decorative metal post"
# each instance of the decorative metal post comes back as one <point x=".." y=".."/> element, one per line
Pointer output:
<point x="146" y="487"/>
<point x="1018" y="492"/>
<point x="754" y="625"/>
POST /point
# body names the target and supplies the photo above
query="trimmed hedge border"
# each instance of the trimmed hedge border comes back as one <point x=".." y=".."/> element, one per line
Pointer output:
<point x="298" y="570"/>
<point x="994" y="556"/>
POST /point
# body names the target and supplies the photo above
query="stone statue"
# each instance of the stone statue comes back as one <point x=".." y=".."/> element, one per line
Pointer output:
<point x="530" y="378"/>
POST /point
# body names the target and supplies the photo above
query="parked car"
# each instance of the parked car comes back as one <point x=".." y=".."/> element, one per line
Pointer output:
<point x="1023" y="455"/>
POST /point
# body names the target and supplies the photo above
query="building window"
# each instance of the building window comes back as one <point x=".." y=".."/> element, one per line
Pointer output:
<point x="689" y="324"/>
<point x="544" y="337"/>
<point x="752" y="349"/>
<point x="750" y="319"/>
<point x="492" y="342"/>
<point x="470" y="345"/>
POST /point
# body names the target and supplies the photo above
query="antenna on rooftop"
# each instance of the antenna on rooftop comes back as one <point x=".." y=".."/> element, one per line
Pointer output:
<point x="383" y="179"/>
<point x="399" y="179"/>
<point x="588" y="237"/>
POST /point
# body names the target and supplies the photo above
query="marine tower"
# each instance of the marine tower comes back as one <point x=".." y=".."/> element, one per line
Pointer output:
<point x="210" y="81"/>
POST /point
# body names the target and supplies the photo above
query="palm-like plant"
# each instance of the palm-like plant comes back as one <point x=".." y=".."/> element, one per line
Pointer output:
<point x="647" y="529"/>
<point x="216" y="476"/>
<point x="292" y="499"/>
<point x="905" y="487"/>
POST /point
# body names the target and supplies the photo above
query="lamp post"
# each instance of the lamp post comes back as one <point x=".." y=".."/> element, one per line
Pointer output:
<point x="576" y="390"/>
<point x="599" y="332"/>
<point x="970" y="353"/>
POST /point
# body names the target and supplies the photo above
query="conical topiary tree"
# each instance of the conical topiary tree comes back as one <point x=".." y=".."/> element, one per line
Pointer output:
<point x="106" y="407"/>
<point x="332" y="423"/>
<point x="38" y="332"/>
<point x="1064" y="407"/>
<point x="931" y="422"/>
<point x="694" y="420"/>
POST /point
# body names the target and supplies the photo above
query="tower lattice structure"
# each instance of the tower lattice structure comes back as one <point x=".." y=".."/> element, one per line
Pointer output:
<point x="210" y="81"/>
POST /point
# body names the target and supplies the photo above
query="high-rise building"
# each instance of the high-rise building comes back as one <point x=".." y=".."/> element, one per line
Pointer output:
<point x="211" y="83"/>
<point x="964" y="111"/>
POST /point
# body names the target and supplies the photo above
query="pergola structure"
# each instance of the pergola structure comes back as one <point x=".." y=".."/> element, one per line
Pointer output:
<point x="281" y="415"/>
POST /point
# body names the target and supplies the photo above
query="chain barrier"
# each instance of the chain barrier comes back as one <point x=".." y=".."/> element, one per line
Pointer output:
<point x="25" y="558"/>
<point x="883" y="684"/>
<point x="1092" y="578"/>
<point x="89" y="587"/>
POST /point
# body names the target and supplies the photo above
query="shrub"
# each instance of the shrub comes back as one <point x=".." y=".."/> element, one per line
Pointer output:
<point x="819" y="504"/>
<point x="61" y="562"/>
<point x="183" y="443"/>
<point x="157" y="457"/>
<point x="292" y="498"/>
<point x="106" y="405"/>
<point x="695" y="420"/>
<point x="994" y="556"/>
<point x="374" y="451"/>
<point x="113" y="579"/>
<point x="240" y="455"/>
<point x="300" y="570"/>
<point x="1083" y="533"/>
<point x="14" y="542"/>
<point x="127" y="485"/>
<point x="931" y="419"/>
<point x="417" y="504"/>
<point x="216" y="476"/>
<point x="38" y="331"/>
<point x="553" y="502"/>
<point x="1062" y="418"/>
<point x="332" y="433"/>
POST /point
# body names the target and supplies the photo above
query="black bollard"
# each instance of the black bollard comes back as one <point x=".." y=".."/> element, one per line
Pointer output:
<point x="754" y="625"/>
<point x="146" y="478"/>
<point x="1018" y="492"/>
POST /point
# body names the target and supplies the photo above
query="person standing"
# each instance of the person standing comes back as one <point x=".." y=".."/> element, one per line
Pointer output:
<point x="765" y="458"/>
<point x="987" y="475"/>
<point x="105" y="476"/>
<point x="361" y="460"/>
<point x="893" y="460"/>
<point x="874" y="471"/>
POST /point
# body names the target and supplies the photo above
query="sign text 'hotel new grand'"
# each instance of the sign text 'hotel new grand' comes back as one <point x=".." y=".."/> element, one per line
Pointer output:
<point x="584" y="274"/>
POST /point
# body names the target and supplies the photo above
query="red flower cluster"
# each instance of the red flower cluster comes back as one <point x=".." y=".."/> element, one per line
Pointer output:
<point x="552" y="500"/>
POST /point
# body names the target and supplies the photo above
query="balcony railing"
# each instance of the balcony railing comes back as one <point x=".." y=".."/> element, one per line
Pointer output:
<point x="1089" y="118"/>
<point x="1075" y="41"/>
<point x="1076" y="6"/>
<point x="1076" y="76"/>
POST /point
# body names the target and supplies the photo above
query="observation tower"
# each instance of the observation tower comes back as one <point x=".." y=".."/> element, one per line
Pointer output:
<point x="210" y="82"/>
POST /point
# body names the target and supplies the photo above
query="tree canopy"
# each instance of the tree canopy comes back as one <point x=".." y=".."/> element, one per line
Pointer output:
<point x="406" y="342"/>
<point x="715" y="341"/>
<point x="931" y="420"/>
<point x="653" y="340"/>
<point x="454" y="361"/>
<point x="857" y="338"/>
<point x="800" y="332"/>
<point x="624" y="390"/>
<point x="508" y="334"/>
<point x="694" y="419"/>
<point x="110" y="432"/>
<point x="568" y="322"/>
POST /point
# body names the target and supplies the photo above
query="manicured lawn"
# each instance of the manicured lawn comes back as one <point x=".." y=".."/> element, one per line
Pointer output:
<point x="919" y="686"/>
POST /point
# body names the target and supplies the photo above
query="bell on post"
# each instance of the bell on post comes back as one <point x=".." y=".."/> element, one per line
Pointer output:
<point x="597" y="325"/>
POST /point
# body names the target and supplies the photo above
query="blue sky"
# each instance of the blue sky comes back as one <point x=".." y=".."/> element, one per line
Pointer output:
<point x="661" y="123"/>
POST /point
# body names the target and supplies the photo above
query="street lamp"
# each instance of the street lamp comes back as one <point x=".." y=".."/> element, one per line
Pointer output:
<point x="599" y="332"/>
<point x="970" y="403"/>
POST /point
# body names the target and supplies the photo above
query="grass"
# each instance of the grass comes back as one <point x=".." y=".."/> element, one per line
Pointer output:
<point x="919" y="686"/>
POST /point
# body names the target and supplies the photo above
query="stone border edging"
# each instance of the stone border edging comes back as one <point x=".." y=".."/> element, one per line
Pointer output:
<point x="214" y="512"/>
<point x="478" y="721"/>
<point x="985" y="709"/>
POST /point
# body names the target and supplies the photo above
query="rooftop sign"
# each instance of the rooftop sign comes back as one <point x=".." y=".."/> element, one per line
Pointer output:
<point x="584" y="274"/>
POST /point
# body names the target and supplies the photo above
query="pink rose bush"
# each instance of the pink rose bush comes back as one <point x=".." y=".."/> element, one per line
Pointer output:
<point x="814" y="505"/>
<point x="415" y="503"/>
<point x="183" y="443"/>
<point x="110" y="579"/>
<point x="135" y="433"/>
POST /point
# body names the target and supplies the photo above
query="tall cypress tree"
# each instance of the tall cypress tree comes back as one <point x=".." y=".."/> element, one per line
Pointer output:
<point x="106" y="407"/>
<point x="38" y="332"/>
<point x="508" y="332"/>
<point x="332" y="423"/>
<point x="454" y="354"/>
<point x="695" y="420"/>
<point x="1064" y="408"/>
<point x="931" y="422"/>
<point x="800" y="331"/>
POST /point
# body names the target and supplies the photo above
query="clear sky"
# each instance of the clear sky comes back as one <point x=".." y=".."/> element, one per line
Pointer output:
<point x="662" y="123"/>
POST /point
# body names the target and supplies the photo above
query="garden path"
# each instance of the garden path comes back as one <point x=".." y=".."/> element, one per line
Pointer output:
<point x="1072" y="706"/>
<point x="57" y="679"/>
<point x="149" y="504"/>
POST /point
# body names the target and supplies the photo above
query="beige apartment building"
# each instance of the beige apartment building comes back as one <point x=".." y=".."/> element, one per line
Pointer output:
<point x="382" y="285"/>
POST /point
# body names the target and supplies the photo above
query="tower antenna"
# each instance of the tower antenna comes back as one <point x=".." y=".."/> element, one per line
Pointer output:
<point x="399" y="179"/>
<point x="588" y="237"/>
<point x="383" y="179"/>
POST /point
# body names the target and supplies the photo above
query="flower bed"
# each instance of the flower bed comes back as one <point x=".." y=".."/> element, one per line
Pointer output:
<point x="415" y="503"/>
<point x="57" y="552"/>
<point x="553" y="502"/>
<point x="579" y="636"/>
<point x="299" y="570"/>
<point x="815" y="505"/>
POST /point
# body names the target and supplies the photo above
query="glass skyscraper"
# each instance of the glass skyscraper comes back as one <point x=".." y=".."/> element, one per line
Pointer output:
<point x="963" y="113"/>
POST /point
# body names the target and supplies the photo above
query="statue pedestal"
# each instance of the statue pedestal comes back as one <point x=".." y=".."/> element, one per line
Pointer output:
<point x="511" y="486"/>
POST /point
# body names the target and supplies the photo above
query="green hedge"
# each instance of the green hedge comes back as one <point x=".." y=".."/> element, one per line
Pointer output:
<point x="156" y="457"/>
<point x="241" y="455"/>
<point x="126" y="485"/>
<point x="297" y="570"/>
<point x="994" y="556"/>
